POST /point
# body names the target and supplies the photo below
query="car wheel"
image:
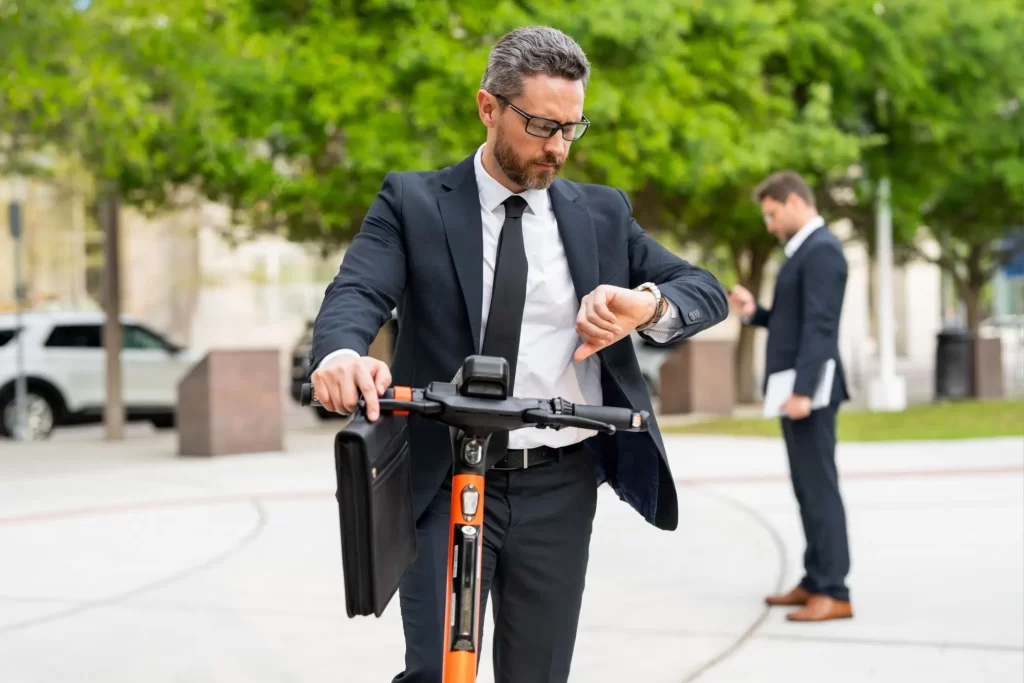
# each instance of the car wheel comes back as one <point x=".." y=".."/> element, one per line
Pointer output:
<point x="163" y="421"/>
<point x="40" y="416"/>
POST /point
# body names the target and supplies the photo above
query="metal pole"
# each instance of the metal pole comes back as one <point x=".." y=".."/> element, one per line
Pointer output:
<point x="886" y="324"/>
<point x="888" y="391"/>
<point x="20" y="428"/>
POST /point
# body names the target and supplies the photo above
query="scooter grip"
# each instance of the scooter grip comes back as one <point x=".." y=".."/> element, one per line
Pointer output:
<point x="307" y="395"/>
<point x="621" y="418"/>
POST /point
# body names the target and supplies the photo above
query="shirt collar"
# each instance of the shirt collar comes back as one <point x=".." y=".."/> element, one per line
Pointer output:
<point x="492" y="193"/>
<point x="802" y="234"/>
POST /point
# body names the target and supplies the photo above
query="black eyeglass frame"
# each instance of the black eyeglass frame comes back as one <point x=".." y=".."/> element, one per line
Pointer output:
<point x="563" y="127"/>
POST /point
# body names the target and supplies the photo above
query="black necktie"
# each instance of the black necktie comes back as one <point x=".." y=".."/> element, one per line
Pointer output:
<point x="508" y="296"/>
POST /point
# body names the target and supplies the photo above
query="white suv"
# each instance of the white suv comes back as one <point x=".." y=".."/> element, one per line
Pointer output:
<point x="65" y="366"/>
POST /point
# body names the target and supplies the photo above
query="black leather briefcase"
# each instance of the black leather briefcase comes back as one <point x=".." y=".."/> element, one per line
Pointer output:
<point x="378" y="531"/>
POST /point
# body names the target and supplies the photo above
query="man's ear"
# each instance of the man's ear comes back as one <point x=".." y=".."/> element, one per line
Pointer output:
<point x="487" y="107"/>
<point x="796" y="202"/>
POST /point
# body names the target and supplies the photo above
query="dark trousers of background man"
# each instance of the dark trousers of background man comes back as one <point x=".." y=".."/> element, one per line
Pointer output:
<point x="811" y="446"/>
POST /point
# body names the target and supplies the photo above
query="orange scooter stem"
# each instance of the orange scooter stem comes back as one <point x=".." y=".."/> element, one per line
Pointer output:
<point x="465" y="563"/>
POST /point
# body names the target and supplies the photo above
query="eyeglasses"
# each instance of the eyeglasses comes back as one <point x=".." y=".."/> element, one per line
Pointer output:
<point x="546" y="128"/>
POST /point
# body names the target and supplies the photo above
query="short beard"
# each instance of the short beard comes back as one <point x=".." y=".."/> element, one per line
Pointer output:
<point x="790" y="232"/>
<point x="518" y="170"/>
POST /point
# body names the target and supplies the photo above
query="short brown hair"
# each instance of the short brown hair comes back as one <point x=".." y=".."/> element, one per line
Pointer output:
<point x="780" y="185"/>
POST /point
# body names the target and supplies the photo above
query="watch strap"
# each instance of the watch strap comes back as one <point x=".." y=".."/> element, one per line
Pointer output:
<point x="660" y="307"/>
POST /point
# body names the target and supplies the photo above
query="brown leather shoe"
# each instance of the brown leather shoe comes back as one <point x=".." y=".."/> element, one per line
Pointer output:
<point x="822" y="608"/>
<point x="794" y="598"/>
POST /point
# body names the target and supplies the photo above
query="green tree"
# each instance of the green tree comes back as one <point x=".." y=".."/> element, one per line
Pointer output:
<point x="978" y="204"/>
<point x="128" y="94"/>
<point x="977" y="191"/>
<point x="941" y="88"/>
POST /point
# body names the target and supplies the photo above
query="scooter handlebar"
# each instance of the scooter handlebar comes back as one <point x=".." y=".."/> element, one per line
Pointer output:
<point x="307" y="395"/>
<point x="555" y="413"/>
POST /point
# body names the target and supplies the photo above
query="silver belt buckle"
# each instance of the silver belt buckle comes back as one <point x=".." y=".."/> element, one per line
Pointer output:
<point x="526" y="458"/>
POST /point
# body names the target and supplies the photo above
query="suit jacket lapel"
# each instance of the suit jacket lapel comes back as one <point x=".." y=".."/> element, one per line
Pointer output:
<point x="803" y="248"/>
<point x="460" y="213"/>
<point x="576" y="228"/>
<point x="789" y="261"/>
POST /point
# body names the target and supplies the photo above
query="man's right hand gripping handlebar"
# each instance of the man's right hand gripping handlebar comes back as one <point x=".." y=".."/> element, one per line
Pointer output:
<point x="348" y="381"/>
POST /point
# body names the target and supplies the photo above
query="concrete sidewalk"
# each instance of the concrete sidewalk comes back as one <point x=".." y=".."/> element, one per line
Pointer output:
<point x="121" y="563"/>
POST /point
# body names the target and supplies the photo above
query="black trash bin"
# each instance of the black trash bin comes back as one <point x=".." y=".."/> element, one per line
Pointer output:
<point x="954" y="365"/>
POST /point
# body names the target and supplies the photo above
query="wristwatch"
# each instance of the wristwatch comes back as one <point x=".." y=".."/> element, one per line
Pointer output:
<point x="660" y="307"/>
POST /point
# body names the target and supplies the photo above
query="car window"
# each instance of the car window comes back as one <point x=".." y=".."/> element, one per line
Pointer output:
<point x="7" y="334"/>
<point x="75" y="337"/>
<point x="134" y="337"/>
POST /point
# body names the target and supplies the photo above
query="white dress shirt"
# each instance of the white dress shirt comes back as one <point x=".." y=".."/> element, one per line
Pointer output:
<point x="545" y="367"/>
<point x="802" y="234"/>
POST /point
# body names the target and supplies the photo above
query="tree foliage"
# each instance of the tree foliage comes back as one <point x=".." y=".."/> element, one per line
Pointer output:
<point x="129" y="91"/>
<point x="292" y="111"/>
<point x="977" y="187"/>
<point x="941" y="94"/>
<point x="36" y="49"/>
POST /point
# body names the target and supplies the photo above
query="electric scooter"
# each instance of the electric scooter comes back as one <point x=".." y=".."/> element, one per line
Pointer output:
<point x="477" y="404"/>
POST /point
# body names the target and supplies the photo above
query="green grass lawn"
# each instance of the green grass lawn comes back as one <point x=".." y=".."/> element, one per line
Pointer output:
<point x="960" y="420"/>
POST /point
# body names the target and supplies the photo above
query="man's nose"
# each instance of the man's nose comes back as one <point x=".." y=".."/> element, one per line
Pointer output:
<point x="556" y="145"/>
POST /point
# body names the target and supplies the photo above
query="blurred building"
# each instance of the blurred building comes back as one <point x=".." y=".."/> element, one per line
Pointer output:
<point x="54" y="244"/>
<point x="179" y="271"/>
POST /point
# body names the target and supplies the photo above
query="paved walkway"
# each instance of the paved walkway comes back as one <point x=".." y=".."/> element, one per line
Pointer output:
<point x="123" y="563"/>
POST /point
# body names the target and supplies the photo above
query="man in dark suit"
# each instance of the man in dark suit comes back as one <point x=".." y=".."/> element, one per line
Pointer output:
<point x="497" y="255"/>
<point x="803" y="333"/>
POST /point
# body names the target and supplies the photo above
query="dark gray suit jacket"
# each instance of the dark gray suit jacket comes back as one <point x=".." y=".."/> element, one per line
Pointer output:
<point x="420" y="250"/>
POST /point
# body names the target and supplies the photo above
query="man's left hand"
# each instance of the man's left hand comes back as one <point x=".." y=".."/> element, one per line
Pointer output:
<point x="608" y="314"/>
<point x="797" y="407"/>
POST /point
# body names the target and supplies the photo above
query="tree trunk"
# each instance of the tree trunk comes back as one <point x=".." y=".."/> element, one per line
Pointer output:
<point x="113" y="408"/>
<point x="973" y="286"/>
<point x="745" y="388"/>
<point x="972" y="302"/>
<point x="751" y="277"/>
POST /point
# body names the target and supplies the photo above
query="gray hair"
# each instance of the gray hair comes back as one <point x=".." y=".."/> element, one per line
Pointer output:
<point x="529" y="51"/>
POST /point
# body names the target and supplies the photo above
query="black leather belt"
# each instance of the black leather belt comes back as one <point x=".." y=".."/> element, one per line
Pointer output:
<point x="525" y="458"/>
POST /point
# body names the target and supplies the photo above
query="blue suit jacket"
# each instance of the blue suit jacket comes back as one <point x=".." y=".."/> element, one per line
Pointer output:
<point x="803" y="322"/>
<point x="420" y="250"/>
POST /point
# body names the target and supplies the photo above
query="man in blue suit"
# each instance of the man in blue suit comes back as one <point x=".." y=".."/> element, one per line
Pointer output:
<point x="803" y="333"/>
<point x="497" y="255"/>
